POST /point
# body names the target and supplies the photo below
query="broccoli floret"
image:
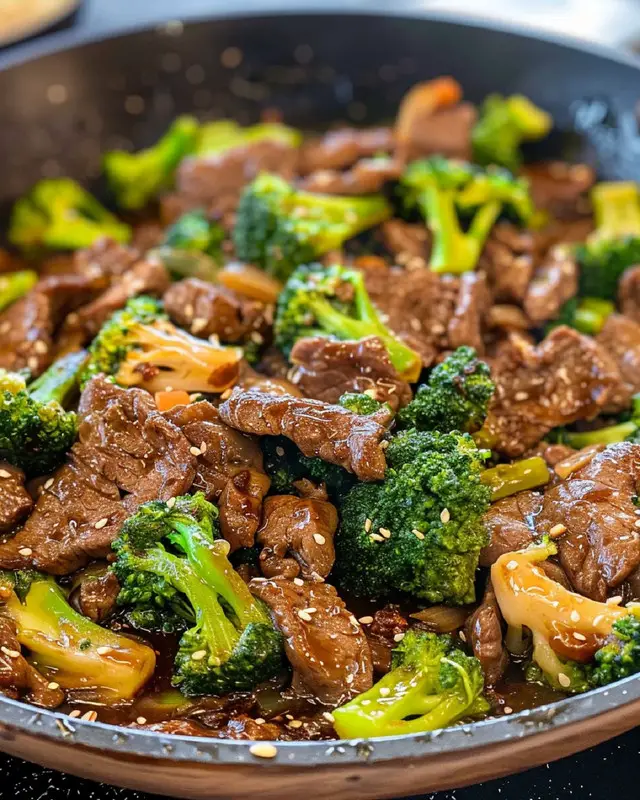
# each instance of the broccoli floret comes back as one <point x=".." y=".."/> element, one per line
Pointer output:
<point x="222" y="135"/>
<point x="59" y="214"/>
<point x="192" y="247"/>
<point x="35" y="430"/>
<point x="418" y="532"/>
<point x="312" y="304"/>
<point x="136" y="178"/>
<point x="362" y="403"/>
<point x="508" y="479"/>
<point x="586" y="314"/>
<point x="169" y="559"/>
<point x="504" y="123"/>
<point x="615" y="243"/>
<point x="620" y="656"/>
<point x="285" y="464"/>
<point x="455" y="397"/>
<point x="448" y="191"/>
<point x="15" y="285"/>
<point x="74" y="651"/>
<point x="279" y="227"/>
<point x="138" y="346"/>
<point x="432" y="684"/>
<point x="626" y="430"/>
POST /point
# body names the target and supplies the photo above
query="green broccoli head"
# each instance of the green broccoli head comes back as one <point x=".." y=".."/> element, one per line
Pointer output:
<point x="279" y="227"/>
<point x="333" y="301"/>
<point x="362" y="403"/>
<point x="58" y="214"/>
<point x="419" y="532"/>
<point x="620" y="657"/>
<point x="192" y="247"/>
<point x="432" y="684"/>
<point x="136" y="178"/>
<point x="35" y="430"/>
<point x="455" y="398"/>
<point x="215" y="138"/>
<point x="615" y="243"/>
<point x="504" y="124"/>
<point x="174" y="571"/>
<point x="585" y="314"/>
<point x="285" y="464"/>
<point x="448" y="193"/>
<point x="15" y="285"/>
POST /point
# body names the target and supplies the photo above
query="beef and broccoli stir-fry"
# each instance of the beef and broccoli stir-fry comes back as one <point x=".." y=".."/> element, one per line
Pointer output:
<point x="307" y="437"/>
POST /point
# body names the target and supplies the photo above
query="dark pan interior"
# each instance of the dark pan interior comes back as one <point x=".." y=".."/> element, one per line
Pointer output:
<point x="59" y="112"/>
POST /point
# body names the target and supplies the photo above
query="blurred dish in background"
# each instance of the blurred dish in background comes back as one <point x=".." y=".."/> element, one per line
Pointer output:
<point x="22" y="18"/>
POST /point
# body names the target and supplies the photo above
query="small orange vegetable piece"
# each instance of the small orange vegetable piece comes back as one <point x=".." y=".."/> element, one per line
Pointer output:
<point x="167" y="400"/>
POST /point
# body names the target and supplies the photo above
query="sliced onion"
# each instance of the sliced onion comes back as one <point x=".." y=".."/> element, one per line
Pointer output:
<point x="442" y="619"/>
<point x="250" y="281"/>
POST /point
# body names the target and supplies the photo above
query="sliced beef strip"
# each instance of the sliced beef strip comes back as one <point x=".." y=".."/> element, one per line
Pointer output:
<point x="510" y="523"/>
<point x="620" y="337"/>
<point x="15" y="500"/>
<point x="250" y="378"/>
<point x="387" y="623"/>
<point x="601" y="545"/>
<point x="484" y="634"/>
<point x="629" y="293"/>
<point x="241" y="727"/>
<point x="229" y="470"/>
<point x="97" y="595"/>
<point x="367" y="176"/>
<point x="127" y="453"/>
<point x="342" y="148"/>
<point x="445" y="132"/>
<point x="81" y="326"/>
<point x="508" y="260"/>
<point x="318" y="429"/>
<point x="565" y="378"/>
<point x="215" y="183"/>
<point x="206" y="310"/>
<point x="406" y="240"/>
<point x="28" y="327"/>
<point x="106" y="258"/>
<point x="560" y="188"/>
<point x="432" y="313"/>
<point x="554" y="282"/>
<point x="297" y="537"/>
<point x="325" y="369"/>
<point x="327" y="647"/>
<point x="17" y="677"/>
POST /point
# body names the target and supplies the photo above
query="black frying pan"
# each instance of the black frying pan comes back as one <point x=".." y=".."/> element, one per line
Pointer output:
<point x="61" y="106"/>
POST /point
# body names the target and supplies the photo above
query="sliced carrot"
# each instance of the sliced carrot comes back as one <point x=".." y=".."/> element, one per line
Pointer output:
<point x="167" y="400"/>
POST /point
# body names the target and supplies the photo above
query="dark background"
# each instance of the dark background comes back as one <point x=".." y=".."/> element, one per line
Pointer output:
<point x="597" y="774"/>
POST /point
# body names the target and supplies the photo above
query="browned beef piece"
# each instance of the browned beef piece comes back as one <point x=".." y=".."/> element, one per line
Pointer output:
<point x="319" y="429"/>
<point x="484" y="635"/>
<point x="432" y="313"/>
<point x="510" y="525"/>
<point x="206" y="310"/>
<point x="366" y="176"/>
<point x="127" y="453"/>
<point x="505" y="318"/>
<point x="629" y="293"/>
<point x="324" y="642"/>
<point x="445" y="132"/>
<point x="106" y="258"/>
<point x="386" y="624"/>
<point x="601" y="545"/>
<point x="15" y="500"/>
<point x="340" y="149"/>
<point x="630" y="589"/>
<point x="81" y="326"/>
<point x="250" y="378"/>
<point x="325" y="369"/>
<point x="17" y="677"/>
<point x="97" y="595"/>
<point x="297" y="537"/>
<point x="565" y="378"/>
<point x="406" y="240"/>
<point x="508" y="260"/>
<point x="554" y="282"/>
<point x="216" y="182"/>
<point x="28" y="327"/>
<point x="229" y="470"/>
<point x="147" y="235"/>
<point x="620" y="337"/>
<point x="559" y="187"/>
<point x="240" y="727"/>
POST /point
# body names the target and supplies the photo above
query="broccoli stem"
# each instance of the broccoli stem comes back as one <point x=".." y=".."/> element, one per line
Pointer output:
<point x="15" y="285"/>
<point x="508" y="479"/>
<point x="616" y="209"/>
<point x="610" y="435"/>
<point x="60" y="381"/>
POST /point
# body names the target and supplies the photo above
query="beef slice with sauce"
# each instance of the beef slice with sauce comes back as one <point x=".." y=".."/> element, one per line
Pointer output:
<point x="629" y="293"/>
<point x="324" y="642"/>
<point x="565" y="378"/>
<point x="553" y="283"/>
<point x="484" y="635"/>
<point x="18" y="678"/>
<point x="15" y="500"/>
<point x="620" y="337"/>
<point x="126" y="454"/>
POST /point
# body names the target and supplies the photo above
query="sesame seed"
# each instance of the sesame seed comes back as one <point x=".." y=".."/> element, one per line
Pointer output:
<point x="75" y="713"/>
<point x="10" y="653"/>
<point x="194" y="397"/>
<point x="375" y="537"/>
<point x="398" y="637"/>
<point x="198" y="324"/>
<point x="102" y="651"/>
<point x="203" y="447"/>
<point x="461" y="636"/>
<point x="295" y="723"/>
<point x="32" y="363"/>
<point x="564" y="680"/>
<point x="445" y="516"/>
<point x="418" y="534"/>
<point x="614" y="601"/>
<point x="168" y="388"/>
<point x="259" y="721"/>
<point x="53" y="686"/>
<point x="385" y="533"/>
<point x="637" y="523"/>
<point x="141" y="720"/>
<point x="367" y="522"/>
<point x="370" y="393"/>
<point x="226" y="395"/>
<point x="263" y="750"/>
<point x="349" y="679"/>
<point x="4" y="473"/>
<point x="512" y="565"/>
<point x="90" y="716"/>
<point x="101" y="523"/>
<point x="328" y="716"/>
<point x="298" y="581"/>
<point x="318" y="538"/>
<point x="198" y="655"/>
<point x="288" y="716"/>
<point x="580" y="637"/>
<point x="195" y="451"/>
<point x="280" y="451"/>
<point x="508" y="710"/>
<point x="557" y="530"/>
<point x="171" y="502"/>
<point x="385" y="691"/>
<point x="304" y="615"/>
<point x="25" y="551"/>
<point x="366" y="620"/>
<point x="310" y="610"/>
<point x="574" y="616"/>
<point x="48" y="483"/>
